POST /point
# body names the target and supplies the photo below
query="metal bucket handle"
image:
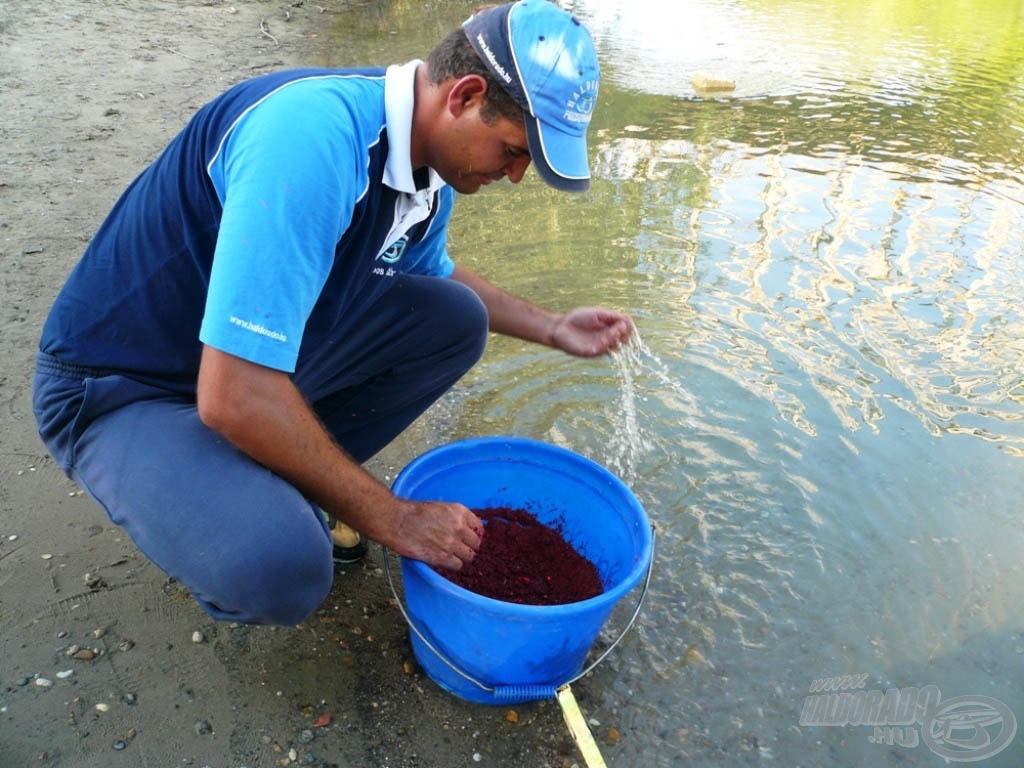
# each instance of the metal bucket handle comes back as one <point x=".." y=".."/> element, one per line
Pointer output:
<point x="511" y="694"/>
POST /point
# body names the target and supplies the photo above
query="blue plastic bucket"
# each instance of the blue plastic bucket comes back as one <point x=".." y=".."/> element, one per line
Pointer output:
<point x="490" y="651"/>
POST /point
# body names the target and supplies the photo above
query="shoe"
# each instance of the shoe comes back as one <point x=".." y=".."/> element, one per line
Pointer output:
<point x="349" y="546"/>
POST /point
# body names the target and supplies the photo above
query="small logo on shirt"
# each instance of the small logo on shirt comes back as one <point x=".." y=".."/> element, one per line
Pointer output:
<point x="393" y="253"/>
<point x="257" y="328"/>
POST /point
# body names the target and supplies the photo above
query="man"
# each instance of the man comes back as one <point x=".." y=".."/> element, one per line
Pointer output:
<point x="271" y="302"/>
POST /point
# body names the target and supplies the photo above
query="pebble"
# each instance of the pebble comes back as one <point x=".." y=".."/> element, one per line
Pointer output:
<point x="477" y="757"/>
<point x="84" y="655"/>
<point x="94" y="581"/>
<point x="126" y="645"/>
<point x="119" y="745"/>
<point x="23" y="681"/>
<point x="65" y="673"/>
<point x="101" y="707"/>
<point x="42" y="682"/>
<point x="306" y="736"/>
<point x="198" y="637"/>
<point x="202" y="727"/>
<point x="130" y="698"/>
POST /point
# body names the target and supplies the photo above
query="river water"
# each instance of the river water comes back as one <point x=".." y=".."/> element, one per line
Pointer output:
<point x="824" y="412"/>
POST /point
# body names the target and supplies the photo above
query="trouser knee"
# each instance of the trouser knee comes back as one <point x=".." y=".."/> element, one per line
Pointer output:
<point x="284" y="588"/>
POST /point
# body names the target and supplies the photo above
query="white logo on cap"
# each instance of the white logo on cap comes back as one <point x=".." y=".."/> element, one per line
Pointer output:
<point x="580" y="105"/>
<point x="498" y="69"/>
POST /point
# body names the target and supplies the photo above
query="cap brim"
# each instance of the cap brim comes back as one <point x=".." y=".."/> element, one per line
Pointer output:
<point x="571" y="172"/>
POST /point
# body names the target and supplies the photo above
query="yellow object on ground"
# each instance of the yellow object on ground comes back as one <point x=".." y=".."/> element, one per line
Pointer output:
<point x="579" y="728"/>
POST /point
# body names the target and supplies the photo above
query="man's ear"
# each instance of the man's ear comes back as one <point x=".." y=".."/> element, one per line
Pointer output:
<point x="468" y="91"/>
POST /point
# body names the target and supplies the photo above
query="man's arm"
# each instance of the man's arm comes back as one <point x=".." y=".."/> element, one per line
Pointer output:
<point x="584" y="332"/>
<point x="261" y="412"/>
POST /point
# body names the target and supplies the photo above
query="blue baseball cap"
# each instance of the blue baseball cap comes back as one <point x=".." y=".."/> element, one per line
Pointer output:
<point x="545" y="59"/>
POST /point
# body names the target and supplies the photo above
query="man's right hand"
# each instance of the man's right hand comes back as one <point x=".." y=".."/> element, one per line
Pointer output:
<point x="440" y="533"/>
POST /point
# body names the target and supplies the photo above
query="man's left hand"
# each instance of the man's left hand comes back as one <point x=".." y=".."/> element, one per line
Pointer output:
<point x="591" y="331"/>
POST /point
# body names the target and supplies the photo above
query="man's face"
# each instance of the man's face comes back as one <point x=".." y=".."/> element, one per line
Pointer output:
<point x="476" y="153"/>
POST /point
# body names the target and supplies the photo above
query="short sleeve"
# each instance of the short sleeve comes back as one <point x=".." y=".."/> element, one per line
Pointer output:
<point x="288" y="188"/>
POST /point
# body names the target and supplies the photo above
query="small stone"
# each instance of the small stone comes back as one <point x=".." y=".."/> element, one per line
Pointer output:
<point x="613" y="737"/>
<point x="47" y="556"/>
<point x="23" y="681"/>
<point x="84" y="654"/>
<point x="512" y="716"/>
<point x="62" y="634"/>
<point x="71" y="650"/>
<point x="126" y="645"/>
<point x="119" y="745"/>
<point x="198" y="637"/>
<point x="42" y="682"/>
<point x="101" y="707"/>
<point x="94" y="581"/>
<point x="477" y="757"/>
<point x="64" y="674"/>
<point x="99" y="632"/>
<point x="293" y="755"/>
<point x="202" y="727"/>
<point x="130" y="698"/>
<point x="306" y="736"/>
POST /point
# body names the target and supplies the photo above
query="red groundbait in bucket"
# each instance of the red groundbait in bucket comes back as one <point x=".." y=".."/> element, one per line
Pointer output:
<point x="496" y="652"/>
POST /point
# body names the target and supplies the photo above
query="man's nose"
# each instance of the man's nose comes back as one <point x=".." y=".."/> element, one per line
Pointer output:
<point x="516" y="169"/>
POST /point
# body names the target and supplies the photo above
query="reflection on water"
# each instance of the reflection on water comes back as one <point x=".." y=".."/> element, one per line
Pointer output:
<point x="824" y="412"/>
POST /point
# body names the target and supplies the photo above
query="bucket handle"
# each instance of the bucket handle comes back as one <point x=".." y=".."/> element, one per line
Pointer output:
<point x="511" y="694"/>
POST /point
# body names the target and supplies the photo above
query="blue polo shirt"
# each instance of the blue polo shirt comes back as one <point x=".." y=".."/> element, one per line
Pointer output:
<point x="277" y="216"/>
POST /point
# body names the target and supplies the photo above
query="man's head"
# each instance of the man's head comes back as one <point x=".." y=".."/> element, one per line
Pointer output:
<point x="541" y="70"/>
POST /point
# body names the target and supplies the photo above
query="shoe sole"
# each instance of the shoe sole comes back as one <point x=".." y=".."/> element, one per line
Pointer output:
<point x="349" y="555"/>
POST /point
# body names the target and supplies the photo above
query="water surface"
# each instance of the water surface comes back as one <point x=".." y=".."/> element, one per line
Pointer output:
<point x="825" y="412"/>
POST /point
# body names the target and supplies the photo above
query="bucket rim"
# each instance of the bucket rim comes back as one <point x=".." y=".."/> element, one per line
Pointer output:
<point x="609" y="596"/>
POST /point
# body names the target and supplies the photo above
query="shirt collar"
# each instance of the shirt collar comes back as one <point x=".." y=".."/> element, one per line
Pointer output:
<point x="399" y="98"/>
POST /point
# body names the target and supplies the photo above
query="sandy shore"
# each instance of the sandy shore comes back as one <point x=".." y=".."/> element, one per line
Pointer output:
<point x="105" y="662"/>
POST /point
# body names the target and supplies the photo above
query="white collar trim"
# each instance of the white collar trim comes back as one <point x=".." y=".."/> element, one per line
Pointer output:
<point x="399" y="99"/>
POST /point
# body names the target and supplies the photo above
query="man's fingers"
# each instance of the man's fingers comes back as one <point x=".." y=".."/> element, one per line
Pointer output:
<point x="455" y="560"/>
<point x="474" y="535"/>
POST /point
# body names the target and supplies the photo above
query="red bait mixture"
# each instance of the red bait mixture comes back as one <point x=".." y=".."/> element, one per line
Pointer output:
<point x="521" y="560"/>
